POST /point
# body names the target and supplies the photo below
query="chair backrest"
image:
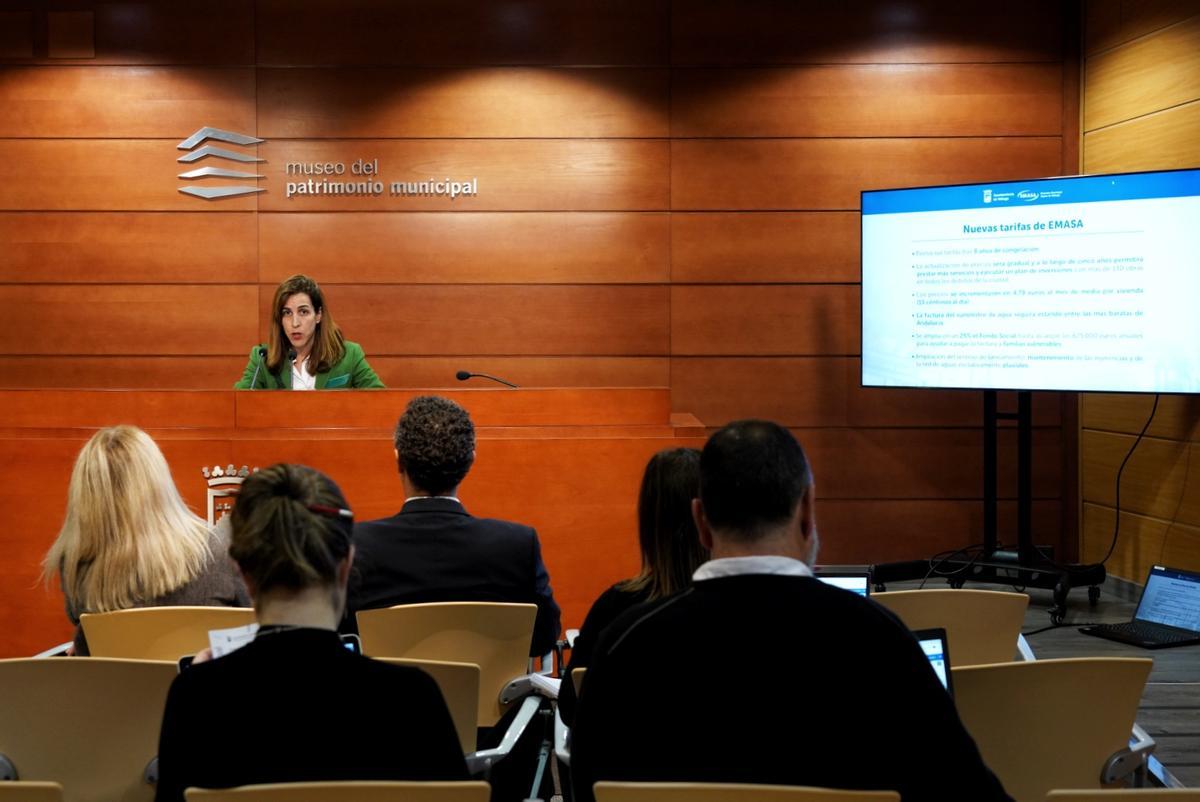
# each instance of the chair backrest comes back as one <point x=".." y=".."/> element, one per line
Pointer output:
<point x="1127" y="795"/>
<point x="981" y="625"/>
<point x="493" y="636"/>
<point x="88" y="723"/>
<point x="19" y="791"/>
<point x="1050" y="723"/>
<point x="158" y="633"/>
<point x="459" y="684"/>
<point x="577" y="675"/>
<point x="472" y="791"/>
<point x="731" y="792"/>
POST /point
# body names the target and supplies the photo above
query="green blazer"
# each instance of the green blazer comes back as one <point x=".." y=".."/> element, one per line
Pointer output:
<point x="351" y="372"/>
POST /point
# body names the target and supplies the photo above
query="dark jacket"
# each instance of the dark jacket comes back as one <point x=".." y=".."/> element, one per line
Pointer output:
<point x="296" y="706"/>
<point x="772" y="679"/>
<point x="435" y="551"/>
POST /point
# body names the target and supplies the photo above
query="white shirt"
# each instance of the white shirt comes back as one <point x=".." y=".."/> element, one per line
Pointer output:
<point x="739" y="566"/>
<point x="301" y="378"/>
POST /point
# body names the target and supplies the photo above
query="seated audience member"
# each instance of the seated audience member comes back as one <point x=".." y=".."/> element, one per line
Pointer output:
<point x="433" y="550"/>
<point x="762" y="674"/>
<point x="295" y="705"/>
<point x="129" y="540"/>
<point x="671" y="552"/>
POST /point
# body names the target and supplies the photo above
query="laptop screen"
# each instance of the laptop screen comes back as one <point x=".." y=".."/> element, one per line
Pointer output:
<point x="1171" y="597"/>
<point x="855" y="583"/>
<point x="933" y="643"/>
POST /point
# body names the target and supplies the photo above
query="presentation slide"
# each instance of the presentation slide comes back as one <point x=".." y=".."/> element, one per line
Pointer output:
<point x="1085" y="283"/>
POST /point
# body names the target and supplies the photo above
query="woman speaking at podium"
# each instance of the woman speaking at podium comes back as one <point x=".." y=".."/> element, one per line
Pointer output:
<point x="306" y="350"/>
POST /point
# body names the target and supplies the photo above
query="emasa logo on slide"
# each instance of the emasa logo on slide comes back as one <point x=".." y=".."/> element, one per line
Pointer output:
<point x="1027" y="195"/>
<point x="209" y="151"/>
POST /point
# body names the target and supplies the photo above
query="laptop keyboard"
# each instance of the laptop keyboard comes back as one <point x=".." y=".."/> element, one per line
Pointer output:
<point x="1145" y="630"/>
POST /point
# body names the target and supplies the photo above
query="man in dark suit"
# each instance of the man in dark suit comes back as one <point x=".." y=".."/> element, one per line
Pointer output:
<point x="434" y="550"/>
<point x="699" y="686"/>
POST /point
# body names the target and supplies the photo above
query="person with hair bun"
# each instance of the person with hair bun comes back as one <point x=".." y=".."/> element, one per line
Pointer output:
<point x="307" y="708"/>
<point x="129" y="540"/>
<point x="306" y="349"/>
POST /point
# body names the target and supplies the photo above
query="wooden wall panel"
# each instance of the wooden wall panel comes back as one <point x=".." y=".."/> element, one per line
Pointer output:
<point x="526" y="371"/>
<point x="128" y="247"/>
<point x="482" y="102"/>
<point x="862" y="463"/>
<point x="869" y="100"/>
<point x="1108" y="23"/>
<point x="811" y="319"/>
<point x="467" y="248"/>
<point x="16" y="34"/>
<point x="137" y="320"/>
<point x="862" y="31"/>
<point x="100" y="175"/>
<point x="804" y="174"/>
<point x="1144" y="76"/>
<point x="809" y="392"/>
<point x="1160" y="479"/>
<point x="457" y="32"/>
<point x="1177" y="416"/>
<point x="1165" y="140"/>
<point x="533" y="175"/>
<point x="1141" y="541"/>
<point x="159" y="32"/>
<point x="182" y="372"/>
<point x="39" y="410"/>
<point x="756" y="247"/>
<point x="1141" y="111"/>
<point x="124" y="102"/>
<point x="499" y="320"/>
<point x="917" y="529"/>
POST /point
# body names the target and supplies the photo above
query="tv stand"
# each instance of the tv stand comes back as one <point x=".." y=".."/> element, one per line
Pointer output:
<point x="1028" y="565"/>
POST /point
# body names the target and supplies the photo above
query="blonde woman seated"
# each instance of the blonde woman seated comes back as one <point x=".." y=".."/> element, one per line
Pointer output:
<point x="129" y="540"/>
<point x="294" y="705"/>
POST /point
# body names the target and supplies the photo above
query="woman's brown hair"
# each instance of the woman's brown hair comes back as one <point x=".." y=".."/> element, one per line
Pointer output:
<point x="329" y="346"/>
<point x="290" y="528"/>
<point x="670" y="544"/>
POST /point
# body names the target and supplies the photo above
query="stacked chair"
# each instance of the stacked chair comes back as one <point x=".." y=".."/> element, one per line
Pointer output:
<point x="346" y="792"/>
<point x="982" y="626"/>
<point x="158" y="633"/>
<point x="493" y="636"/>
<point x="88" y="724"/>
<point x="732" y="792"/>
<point x="1051" y="724"/>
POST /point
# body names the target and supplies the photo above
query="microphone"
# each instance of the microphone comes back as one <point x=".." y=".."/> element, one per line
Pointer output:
<point x="291" y="355"/>
<point x="463" y="375"/>
<point x="262" y="354"/>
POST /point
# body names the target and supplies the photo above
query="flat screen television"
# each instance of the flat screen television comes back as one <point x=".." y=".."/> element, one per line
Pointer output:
<point x="1086" y="283"/>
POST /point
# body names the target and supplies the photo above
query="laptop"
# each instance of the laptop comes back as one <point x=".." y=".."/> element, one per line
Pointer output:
<point x="846" y="578"/>
<point x="937" y="651"/>
<point x="1168" y="613"/>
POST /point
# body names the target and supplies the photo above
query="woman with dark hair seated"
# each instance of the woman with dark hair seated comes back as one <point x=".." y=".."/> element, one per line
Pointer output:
<point x="294" y="704"/>
<point x="671" y="553"/>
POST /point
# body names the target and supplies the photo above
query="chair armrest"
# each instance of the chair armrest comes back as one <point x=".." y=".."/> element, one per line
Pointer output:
<point x="530" y="684"/>
<point x="55" y="651"/>
<point x="562" y="738"/>
<point x="571" y="635"/>
<point x="1024" y="649"/>
<point x="1124" y="762"/>
<point x="484" y="759"/>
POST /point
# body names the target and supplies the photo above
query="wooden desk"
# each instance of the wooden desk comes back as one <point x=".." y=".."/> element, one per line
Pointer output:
<point x="566" y="461"/>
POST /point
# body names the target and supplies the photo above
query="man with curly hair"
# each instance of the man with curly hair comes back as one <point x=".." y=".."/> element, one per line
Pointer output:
<point x="433" y="550"/>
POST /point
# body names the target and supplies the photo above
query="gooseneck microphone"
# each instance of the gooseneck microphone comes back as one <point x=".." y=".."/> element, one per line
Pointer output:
<point x="262" y="354"/>
<point x="463" y="375"/>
